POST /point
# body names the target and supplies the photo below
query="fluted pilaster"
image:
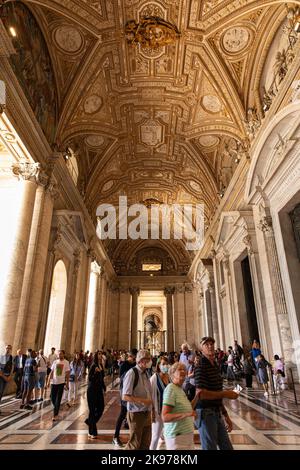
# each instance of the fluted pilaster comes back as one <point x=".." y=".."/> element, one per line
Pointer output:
<point x="277" y="287"/>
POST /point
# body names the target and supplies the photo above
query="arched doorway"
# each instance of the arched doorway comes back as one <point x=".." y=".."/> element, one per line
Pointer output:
<point x="56" y="307"/>
<point x="152" y="321"/>
<point x="153" y="336"/>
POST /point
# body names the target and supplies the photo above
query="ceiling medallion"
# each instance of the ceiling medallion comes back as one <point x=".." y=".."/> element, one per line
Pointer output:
<point x="235" y="39"/>
<point x="151" y="32"/>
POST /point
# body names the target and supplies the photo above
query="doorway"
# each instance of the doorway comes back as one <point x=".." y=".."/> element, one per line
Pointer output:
<point x="152" y="321"/>
<point x="251" y="317"/>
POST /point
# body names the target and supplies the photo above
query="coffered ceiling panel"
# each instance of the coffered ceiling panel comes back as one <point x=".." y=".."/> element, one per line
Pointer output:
<point x="156" y="108"/>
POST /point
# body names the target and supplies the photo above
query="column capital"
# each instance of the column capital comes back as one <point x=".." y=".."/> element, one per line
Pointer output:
<point x="27" y="171"/>
<point x="188" y="287"/>
<point x="180" y="289"/>
<point x="266" y="224"/>
<point x="114" y="287"/>
<point x="134" y="290"/>
<point x="248" y="242"/>
<point x="95" y="268"/>
<point x="91" y="254"/>
<point x="169" y="290"/>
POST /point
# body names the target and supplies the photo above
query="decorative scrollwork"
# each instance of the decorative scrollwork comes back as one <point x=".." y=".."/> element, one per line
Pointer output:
<point x="152" y="32"/>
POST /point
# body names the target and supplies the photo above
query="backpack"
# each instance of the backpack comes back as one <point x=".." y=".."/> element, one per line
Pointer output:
<point x="136" y="380"/>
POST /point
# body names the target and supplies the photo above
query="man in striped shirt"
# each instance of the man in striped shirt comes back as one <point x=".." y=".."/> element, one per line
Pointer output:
<point x="212" y="419"/>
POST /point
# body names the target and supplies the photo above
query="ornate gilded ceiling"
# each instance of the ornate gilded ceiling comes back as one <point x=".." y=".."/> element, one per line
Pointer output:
<point x="164" y="123"/>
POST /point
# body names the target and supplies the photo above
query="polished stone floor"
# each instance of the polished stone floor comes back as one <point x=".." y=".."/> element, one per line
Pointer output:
<point x="260" y="423"/>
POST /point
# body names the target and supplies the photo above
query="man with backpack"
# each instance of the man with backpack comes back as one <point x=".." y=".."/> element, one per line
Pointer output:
<point x="137" y="393"/>
<point x="124" y="368"/>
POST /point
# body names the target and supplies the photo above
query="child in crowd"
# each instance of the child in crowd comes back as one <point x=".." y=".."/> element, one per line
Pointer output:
<point x="280" y="381"/>
<point x="262" y="365"/>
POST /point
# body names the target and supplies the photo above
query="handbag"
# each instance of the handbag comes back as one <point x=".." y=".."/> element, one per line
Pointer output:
<point x="190" y="391"/>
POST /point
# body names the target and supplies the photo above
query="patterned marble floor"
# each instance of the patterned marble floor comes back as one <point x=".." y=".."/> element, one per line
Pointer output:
<point x="259" y="423"/>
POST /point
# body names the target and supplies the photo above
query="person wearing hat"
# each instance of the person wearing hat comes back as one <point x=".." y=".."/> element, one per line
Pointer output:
<point x="137" y="393"/>
<point x="212" y="420"/>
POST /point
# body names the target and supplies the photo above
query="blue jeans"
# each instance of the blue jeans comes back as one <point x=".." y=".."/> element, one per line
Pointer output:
<point x="212" y="430"/>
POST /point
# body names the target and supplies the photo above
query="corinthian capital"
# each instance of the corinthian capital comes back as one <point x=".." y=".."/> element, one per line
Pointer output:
<point x="169" y="290"/>
<point x="26" y="171"/>
<point x="95" y="268"/>
<point x="134" y="290"/>
<point x="265" y="224"/>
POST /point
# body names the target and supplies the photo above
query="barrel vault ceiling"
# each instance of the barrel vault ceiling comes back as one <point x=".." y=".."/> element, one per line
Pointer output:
<point x="156" y="124"/>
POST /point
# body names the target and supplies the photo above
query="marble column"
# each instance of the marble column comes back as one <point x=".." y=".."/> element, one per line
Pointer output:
<point x="27" y="174"/>
<point x="222" y="342"/>
<point x="134" y="291"/>
<point x="277" y="287"/>
<point x="52" y="258"/>
<point x="169" y="291"/>
<point x="70" y="306"/>
<point x="201" y="313"/>
<point x="214" y="313"/>
<point x="208" y="313"/>
<point x="32" y="289"/>
<point x="124" y="319"/>
<point x="94" y="307"/>
<point x="103" y="300"/>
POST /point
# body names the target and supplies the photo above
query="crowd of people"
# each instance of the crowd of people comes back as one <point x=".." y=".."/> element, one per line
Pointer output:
<point x="162" y="398"/>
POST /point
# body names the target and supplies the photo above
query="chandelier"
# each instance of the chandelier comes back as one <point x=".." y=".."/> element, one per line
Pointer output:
<point x="151" y="32"/>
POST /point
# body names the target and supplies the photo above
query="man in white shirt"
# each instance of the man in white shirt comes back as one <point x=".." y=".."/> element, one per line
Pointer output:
<point x="51" y="358"/>
<point x="60" y="373"/>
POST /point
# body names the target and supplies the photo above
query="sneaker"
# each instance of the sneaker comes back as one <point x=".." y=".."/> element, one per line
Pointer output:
<point x="266" y="394"/>
<point x="116" y="441"/>
<point x="28" y="407"/>
<point x="91" y="436"/>
<point x="40" y="399"/>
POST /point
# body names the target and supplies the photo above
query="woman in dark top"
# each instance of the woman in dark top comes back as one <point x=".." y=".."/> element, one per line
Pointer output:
<point x="95" y="394"/>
